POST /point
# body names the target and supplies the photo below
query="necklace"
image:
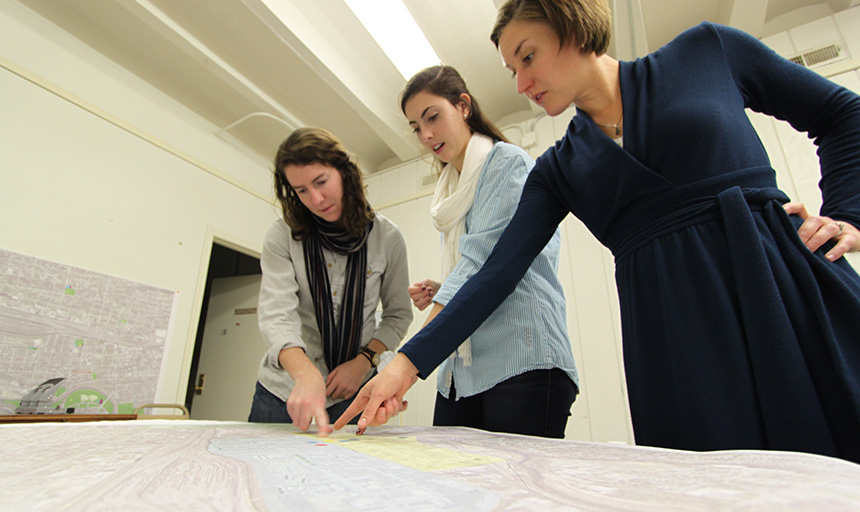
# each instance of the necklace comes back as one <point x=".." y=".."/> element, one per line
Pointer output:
<point x="616" y="126"/>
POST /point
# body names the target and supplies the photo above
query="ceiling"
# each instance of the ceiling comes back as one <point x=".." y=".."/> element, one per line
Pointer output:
<point x="257" y="69"/>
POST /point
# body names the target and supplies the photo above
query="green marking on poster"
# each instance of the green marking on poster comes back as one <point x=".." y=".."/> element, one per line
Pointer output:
<point x="85" y="398"/>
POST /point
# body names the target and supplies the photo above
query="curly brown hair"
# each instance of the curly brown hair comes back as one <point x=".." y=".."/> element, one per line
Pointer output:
<point x="306" y="146"/>
<point x="585" y="23"/>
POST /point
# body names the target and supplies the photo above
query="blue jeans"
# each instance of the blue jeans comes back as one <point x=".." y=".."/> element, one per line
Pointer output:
<point x="268" y="408"/>
<point x="535" y="403"/>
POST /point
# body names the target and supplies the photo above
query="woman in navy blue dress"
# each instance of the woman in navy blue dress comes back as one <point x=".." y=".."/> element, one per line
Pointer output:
<point x="741" y="319"/>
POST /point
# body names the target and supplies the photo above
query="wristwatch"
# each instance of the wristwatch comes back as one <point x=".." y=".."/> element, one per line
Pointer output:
<point x="371" y="356"/>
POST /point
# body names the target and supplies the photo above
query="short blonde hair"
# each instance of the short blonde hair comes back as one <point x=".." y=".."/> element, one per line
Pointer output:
<point x="585" y="23"/>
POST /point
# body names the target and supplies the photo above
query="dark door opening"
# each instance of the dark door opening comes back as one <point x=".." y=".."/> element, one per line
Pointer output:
<point x="223" y="262"/>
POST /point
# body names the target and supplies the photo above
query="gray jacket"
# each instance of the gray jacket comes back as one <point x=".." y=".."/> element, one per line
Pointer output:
<point x="286" y="311"/>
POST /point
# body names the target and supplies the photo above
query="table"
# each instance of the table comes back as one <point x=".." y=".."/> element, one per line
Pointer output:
<point x="206" y="465"/>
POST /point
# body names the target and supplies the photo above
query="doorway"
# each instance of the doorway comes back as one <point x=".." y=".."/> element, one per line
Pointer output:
<point x="223" y="262"/>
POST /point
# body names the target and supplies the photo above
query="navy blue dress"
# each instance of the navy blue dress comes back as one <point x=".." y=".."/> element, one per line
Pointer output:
<point x="735" y="335"/>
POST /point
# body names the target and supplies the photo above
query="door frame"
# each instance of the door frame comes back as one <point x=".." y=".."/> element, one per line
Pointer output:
<point x="211" y="237"/>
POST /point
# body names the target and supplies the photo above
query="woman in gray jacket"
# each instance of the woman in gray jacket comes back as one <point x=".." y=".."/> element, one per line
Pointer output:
<point x="327" y="264"/>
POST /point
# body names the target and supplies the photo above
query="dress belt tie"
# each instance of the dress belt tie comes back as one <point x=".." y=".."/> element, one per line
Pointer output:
<point x="693" y="211"/>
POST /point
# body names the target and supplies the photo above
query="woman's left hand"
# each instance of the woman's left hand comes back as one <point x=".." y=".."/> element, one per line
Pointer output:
<point x="345" y="379"/>
<point x="816" y="230"/>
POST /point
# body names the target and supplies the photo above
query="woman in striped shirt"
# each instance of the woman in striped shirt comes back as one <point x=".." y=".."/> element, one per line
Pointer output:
<point x="498" y="379"/>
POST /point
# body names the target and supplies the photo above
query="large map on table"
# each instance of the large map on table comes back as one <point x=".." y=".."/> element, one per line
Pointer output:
<point x="94" y="343"/>
<point x="196" y="465"/>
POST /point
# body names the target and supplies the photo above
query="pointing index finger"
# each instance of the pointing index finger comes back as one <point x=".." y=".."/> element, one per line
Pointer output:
<point x="354" y="408"/>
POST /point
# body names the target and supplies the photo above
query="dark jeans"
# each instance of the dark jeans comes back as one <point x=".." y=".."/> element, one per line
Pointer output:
<point x="268" y="408"/>
<point x="535" y="403"/>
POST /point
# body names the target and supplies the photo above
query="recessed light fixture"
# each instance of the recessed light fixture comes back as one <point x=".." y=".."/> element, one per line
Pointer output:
<point x="397" y="33"/>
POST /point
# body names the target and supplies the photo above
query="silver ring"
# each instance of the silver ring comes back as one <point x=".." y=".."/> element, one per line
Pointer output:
<point x="841" y="227"/>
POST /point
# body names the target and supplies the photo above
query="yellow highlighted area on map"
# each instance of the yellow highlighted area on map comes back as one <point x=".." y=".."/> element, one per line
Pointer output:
<point x="407" y="451"/>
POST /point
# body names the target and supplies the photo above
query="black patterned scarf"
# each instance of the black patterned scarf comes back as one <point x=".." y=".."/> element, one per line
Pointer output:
<point x="341" y="340"/>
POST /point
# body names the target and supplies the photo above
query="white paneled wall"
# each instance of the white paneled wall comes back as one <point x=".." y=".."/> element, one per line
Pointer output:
<point x="586" y="268"/>
<point x="397" y="194"/>
<point x="102" y="171"/>
<point x="423" y="243"/>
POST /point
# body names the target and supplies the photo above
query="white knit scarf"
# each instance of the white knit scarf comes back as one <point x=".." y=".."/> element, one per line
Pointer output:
<point x="455" y="193"/>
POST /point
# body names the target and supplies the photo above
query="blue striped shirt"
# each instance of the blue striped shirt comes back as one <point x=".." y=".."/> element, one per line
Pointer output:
<point x="529" y="330"/>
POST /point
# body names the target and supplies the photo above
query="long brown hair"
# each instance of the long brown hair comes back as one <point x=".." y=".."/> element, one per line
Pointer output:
<point x="306" y="146"/>
<point x="446" y="82"/>
<point x="585" y="23"/>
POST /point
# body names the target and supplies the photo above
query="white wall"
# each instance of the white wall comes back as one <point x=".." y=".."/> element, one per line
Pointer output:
<point x="100" y="171"/>
<point x="587" y="269"/>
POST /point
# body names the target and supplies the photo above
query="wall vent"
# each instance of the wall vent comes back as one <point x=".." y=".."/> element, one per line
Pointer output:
<point x="429" y="180"/>
<point x="821" y="56"/>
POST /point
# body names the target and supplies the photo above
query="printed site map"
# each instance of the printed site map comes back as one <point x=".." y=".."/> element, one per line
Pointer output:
<point x="177" y="465"/>
<point x="74" y="340"/>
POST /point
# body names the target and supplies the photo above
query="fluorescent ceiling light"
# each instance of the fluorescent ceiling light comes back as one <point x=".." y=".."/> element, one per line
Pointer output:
<point x="395" y="31"/>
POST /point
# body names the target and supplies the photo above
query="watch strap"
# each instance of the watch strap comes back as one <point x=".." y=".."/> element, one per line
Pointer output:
<point x="370" y="355"/>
